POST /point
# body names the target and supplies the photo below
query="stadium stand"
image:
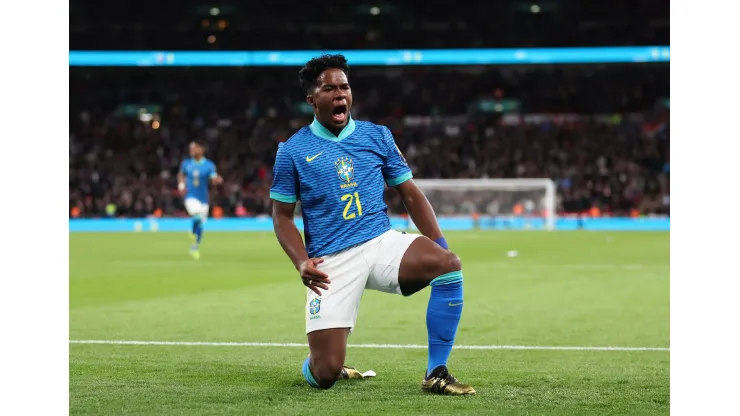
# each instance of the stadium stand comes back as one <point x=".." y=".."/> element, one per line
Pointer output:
<point x="601" y="131"/>
<point x="605" y="143"/>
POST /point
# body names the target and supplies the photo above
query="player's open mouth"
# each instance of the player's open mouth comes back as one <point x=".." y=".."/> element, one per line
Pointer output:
<point x="339" y="113"/>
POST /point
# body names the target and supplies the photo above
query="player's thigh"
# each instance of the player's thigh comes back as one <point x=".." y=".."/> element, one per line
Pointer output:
<point x="338" y="306"/>
<point x="193" y="207"/>
<point x="328" y="348"/>
<point x="422" y="262"/>
<point x="388" y="254"/>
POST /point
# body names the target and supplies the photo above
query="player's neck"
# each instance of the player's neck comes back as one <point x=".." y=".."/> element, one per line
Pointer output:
<point x="333" y="133"/>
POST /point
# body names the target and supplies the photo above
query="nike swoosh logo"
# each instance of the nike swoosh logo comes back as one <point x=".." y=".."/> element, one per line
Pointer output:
<point x="310" y="159"/>
<point x="454" y="304"/>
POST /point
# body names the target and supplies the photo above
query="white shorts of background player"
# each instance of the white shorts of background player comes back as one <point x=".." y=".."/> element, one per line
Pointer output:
<point x="195" y="208"/>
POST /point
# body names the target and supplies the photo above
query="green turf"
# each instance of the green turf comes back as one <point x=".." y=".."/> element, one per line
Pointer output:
<point x="563" y="289"/>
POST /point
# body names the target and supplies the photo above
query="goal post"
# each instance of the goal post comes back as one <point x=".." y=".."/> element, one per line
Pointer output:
<point x="494" y="203"/>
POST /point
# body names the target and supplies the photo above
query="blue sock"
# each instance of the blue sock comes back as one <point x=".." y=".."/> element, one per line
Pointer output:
<point x="307" y="373"/>
<point x="443" y="316"/>
<point x="197" y="229"/>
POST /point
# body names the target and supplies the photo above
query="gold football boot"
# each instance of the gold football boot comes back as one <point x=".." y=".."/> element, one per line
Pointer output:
<point x="350" y="373"/>
<point x="442" y="382"/>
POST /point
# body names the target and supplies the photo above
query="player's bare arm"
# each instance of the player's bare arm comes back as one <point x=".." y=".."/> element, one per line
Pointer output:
<point x="181" y="181"/>
<point x="290" y="240"/>
<point x="217" y="180"/>
<point x="419" y="209"/>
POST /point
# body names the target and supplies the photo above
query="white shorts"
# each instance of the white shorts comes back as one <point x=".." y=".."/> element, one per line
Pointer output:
<point x="196" y="208"/>
<point x="373" y="264"/>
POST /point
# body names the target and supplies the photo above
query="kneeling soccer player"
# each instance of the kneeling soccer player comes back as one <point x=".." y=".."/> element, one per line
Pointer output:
<point x="338" y="168"/>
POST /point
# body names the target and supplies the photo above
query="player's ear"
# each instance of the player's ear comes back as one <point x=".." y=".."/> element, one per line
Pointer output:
<point x="310" y="100"/>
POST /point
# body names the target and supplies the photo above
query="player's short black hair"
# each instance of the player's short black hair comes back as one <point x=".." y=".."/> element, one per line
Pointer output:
<point x="308" y="74"/>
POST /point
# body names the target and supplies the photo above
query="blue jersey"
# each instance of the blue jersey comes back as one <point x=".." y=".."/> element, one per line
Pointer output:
<point x="340" y="182"/>
<point x="197" y="175"/>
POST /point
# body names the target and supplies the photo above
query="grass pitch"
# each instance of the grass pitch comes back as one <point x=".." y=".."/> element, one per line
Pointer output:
<point x="564" y="289"/>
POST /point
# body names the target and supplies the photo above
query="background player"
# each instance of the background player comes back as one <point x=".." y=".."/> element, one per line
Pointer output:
<point x="338" y="167"/>
<point x="192" y="179"/>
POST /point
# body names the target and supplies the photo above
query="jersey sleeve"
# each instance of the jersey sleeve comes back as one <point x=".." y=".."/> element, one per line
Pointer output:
<point x="214" y="173"/>
<point x="182" y="167"/>
<point x="395" y="169"/>
<point x="284" y="178"/>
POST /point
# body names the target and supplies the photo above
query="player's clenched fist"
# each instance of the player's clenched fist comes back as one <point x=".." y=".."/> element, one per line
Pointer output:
<point x="312" y="277"/>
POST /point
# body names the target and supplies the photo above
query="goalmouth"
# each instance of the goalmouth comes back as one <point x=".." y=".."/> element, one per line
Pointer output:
<point x="494" y="201"/>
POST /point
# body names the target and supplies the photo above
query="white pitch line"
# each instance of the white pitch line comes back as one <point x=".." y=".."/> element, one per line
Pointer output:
<point x="375" y="346"/>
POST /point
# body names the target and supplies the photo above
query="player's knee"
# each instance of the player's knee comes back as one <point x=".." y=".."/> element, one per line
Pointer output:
<point x="454" y="263"/>
<point x="326" y="372"/>
<point x="448" y="263"/>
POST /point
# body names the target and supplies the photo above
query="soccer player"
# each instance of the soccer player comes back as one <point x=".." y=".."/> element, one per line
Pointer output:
<point x="338" y="168"/>
<point x="192" y="179"/>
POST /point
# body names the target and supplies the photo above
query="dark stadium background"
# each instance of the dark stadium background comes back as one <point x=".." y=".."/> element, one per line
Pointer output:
<point x="601" y="131"/>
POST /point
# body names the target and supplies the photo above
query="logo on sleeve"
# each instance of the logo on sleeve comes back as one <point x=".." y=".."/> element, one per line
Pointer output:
<point x="403" y="159"/>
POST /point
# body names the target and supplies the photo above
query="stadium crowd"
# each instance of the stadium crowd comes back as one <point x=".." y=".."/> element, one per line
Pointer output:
<point x="595" y="129"/>
<point x="598" y="131"/>
<point x="284" y="24"/>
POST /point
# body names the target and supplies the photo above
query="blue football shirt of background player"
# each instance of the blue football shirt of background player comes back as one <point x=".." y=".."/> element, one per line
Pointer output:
<point x="341" y="188"/>
<point x="194" y="176"/>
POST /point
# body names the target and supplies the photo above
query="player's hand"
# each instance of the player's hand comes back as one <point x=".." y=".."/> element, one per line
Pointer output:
<point x="312" y="277"/>
<point x="218" y="180"/>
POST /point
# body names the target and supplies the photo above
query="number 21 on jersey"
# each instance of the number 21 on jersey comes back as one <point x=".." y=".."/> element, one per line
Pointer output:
<point x="352" y="198"/>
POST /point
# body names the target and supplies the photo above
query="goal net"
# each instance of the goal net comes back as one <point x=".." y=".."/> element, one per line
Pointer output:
<point x="489" y="203"/>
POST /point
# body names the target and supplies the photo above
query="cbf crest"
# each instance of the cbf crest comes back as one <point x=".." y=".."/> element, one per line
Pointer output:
<point x="403" y="159"/>
<point x="314" y="306"/>
<point x="345" y="169"/>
